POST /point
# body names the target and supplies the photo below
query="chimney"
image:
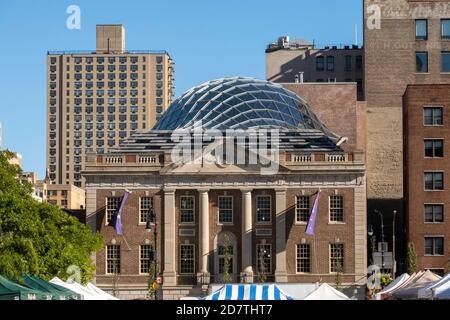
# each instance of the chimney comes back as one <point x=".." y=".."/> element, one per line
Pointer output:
<point x="301" y="76"/>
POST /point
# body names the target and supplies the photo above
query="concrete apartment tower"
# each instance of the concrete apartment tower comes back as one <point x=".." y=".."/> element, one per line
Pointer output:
<point x="95" y="99"/>
<point x="404" y="45"/>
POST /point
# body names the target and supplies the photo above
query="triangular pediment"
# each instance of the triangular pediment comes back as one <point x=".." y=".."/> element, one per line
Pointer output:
<point x="206" y="163"/>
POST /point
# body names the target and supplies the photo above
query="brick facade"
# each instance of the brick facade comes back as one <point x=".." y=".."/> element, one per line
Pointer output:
<point x="416" y="98"/>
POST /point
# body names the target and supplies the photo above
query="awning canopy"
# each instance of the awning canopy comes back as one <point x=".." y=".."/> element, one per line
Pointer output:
<point x="239" y="292"/>
<point x="58" y="292"/>
<point x="89" y="292"/>
<point x="10" y="290"/>
<point x="392" y="286"/>
<point x="436" y="288"/>
<point x="411" y="290"/>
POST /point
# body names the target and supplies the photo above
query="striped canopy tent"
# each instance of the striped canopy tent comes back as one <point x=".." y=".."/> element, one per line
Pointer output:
<point x="240" y="292"/>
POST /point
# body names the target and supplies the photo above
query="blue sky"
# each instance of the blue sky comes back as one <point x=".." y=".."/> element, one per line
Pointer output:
<point x="206" y="38"/>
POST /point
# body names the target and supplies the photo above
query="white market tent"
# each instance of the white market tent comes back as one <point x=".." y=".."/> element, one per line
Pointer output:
<point x="442" y="292"/>
<point x="87" y="292"/>
<point x="100" y="292"/>
<point x="411" y="290"/>
<point x="326" y="292"/>
<point x="435" y="289"/>
<point x="405" y="283"/>
<point x="392" y="286"/>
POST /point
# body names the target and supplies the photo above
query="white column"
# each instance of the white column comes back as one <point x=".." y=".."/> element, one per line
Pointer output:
<point x="169" y="273"/>
<point x="204" y="235"/>
<point x="280" y="207"/>
<point x="247" y="232"/>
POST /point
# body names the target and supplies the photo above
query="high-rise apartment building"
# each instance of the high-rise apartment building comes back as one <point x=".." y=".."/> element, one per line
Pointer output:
<point x="406" y="42"/>
<point x="95" y="99"/>
<point x="289" y="61"/>
<point x="426" y="134"/>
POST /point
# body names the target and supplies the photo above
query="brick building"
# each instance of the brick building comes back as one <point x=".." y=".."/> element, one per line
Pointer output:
<point x="290" y="61"/>
<point x="426" y="136"/>
<point x="405" y="43"/>
<point x="207" y="210"/>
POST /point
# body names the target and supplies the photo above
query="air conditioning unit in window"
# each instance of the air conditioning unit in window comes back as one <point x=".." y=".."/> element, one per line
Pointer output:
<point x="383" y="247"/>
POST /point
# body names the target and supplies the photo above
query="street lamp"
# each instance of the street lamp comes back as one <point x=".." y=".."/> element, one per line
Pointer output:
<point x="382" y="237"/>
<point x="153" y="255"/>
<point x="394" y="263"/>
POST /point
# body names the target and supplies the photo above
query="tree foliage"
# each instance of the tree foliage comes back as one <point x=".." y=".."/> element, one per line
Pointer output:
<point x="412" y="258"/>
<point x="39" y="238"/>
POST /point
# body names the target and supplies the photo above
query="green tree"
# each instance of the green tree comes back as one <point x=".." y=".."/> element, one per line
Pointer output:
<point x="38" y="238"/>
<point x="226" y="276"/>
<point x="411" y="258"/>
<point x="338" y="276"/>
<point x="262" y="272"/>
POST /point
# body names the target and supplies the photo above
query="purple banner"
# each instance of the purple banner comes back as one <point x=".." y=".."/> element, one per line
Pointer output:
<point x="118" y="225"/>
<point x="311" y="227"/>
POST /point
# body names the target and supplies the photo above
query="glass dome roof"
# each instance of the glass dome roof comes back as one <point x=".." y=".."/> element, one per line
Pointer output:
<point x="240" y="103"/>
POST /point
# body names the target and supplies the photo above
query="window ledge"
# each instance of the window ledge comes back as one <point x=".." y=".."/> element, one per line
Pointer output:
<point x="336" y="223"/>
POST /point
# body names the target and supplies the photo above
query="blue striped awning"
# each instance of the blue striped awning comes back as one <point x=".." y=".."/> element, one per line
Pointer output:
<point x="249" y="292"/>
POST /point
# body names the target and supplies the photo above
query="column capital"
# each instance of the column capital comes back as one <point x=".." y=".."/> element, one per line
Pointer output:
<point x="169" y="190"/>
<point x="245" y="190"/>
<point x="203" y="190"/>
<point x="280" y="190"/>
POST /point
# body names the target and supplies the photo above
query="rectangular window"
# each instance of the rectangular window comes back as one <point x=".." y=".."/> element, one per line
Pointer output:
<point x="330" y="63"/>
<point x="302" y="208"/>
<point x="303" y="258"/>
<point x="434" y="213"/>
<point x="421" y="29"/>
<point x="225" y="209"/>
<point x="187" y="259"/>
<point x="145" y="255"/>
<point x="348" y="63"/>
<point x="113" y="259"/>
<point x="359" y="63"/>
<point x="434" y="148"/>
<point x="434" y="181"/>
<point x="433" y="116"/>
<point x="445" y="61"/>
<point x="445" y="28"/>
<point x="336" y="209"/>
<point x="263" y="209"/>
<point x="336" y="257"/>
<point x="187" y="209"/>
<point x="421" y="62"/>
<point x="146" y="210"/>
<point x="264" y="258"/>
<point x="112" y="205"/>
<point x="320" y="63"/>
<point x="434" y="246"/>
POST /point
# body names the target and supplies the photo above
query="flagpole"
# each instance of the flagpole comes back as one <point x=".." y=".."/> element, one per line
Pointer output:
<point x="126" y="242"/>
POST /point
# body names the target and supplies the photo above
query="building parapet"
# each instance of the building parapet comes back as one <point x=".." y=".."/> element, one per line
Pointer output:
<point x="74" y="52"/>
